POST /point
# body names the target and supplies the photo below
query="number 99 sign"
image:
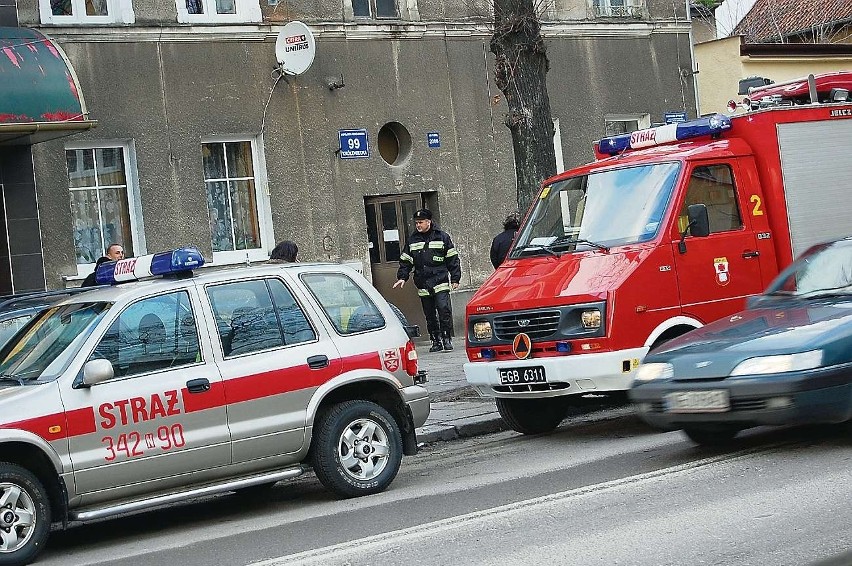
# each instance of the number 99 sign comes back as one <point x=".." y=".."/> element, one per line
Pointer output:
<point x="353" y="144"/>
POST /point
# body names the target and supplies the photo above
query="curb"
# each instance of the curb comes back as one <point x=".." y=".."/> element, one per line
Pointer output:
<point x="465" y="428"/>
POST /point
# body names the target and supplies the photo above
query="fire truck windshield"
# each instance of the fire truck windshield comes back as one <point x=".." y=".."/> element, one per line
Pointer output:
<point x="600" y="210"/>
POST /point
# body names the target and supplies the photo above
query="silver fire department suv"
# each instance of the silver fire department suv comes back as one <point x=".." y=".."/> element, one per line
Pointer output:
<point x="148" y="392"/>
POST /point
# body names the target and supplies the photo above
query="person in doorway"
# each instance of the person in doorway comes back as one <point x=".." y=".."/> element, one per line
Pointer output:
<point x="430" y="253"/>
<point x="284" y="252"/>
<point x="114" y="252"/>
<point x="503" y="241"/>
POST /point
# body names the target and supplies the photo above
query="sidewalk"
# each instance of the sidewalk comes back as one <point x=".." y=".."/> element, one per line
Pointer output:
<point x="457" y="411"/>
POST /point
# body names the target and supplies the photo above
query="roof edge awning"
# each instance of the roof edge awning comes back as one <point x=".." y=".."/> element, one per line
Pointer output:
<point x="40" y="96"/>
<point x="28" y="133"/>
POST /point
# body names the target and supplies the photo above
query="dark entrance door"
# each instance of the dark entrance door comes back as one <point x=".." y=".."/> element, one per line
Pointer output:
<point x="389" y="222"/>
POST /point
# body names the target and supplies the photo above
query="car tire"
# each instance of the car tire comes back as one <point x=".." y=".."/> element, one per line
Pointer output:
<point x="357" y="448"/>
<point x="711" y="436"/>
<point x="532" y="416"/>
<point x="25" y="512"/>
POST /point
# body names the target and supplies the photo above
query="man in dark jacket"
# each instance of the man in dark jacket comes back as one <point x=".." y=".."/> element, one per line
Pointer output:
<point x="503" y="241"/>
<point x="433" y="257"/>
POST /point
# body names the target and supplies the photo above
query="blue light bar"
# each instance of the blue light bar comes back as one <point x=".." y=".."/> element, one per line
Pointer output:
<point x="710" y="125"/>
<point x="171" y="262"/>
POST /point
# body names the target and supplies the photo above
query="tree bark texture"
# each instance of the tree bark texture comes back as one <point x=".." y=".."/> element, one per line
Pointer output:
<point x="520" y="73"/>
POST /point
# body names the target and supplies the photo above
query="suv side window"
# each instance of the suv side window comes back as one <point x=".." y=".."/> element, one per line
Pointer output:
<point x="252" y="316"/>
<point x="150" y="335"/>
<point x="348" y="308"/>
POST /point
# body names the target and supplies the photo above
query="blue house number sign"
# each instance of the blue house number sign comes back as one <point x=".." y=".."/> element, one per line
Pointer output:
<point x="353" y="144"/>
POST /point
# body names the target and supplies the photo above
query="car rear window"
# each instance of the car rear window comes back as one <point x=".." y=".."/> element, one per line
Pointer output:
<point x="346" y="305"/>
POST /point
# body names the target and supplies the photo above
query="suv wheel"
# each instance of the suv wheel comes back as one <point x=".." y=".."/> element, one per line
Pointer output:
<point x="24" y="515"/>
<point x="532" y="416"/>
<point x="357" y="448"/>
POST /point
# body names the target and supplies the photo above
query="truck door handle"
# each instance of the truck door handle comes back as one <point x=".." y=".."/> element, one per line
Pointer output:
<point x="199" y="385"/>
<point x="318" y="362"/>
<point x="750" y="254"/>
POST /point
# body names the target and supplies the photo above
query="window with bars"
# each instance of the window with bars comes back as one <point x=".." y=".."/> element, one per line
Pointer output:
<point x="103" y="201"/>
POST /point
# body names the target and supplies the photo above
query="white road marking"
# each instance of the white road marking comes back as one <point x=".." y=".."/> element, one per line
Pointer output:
<point x="434" y="528"/>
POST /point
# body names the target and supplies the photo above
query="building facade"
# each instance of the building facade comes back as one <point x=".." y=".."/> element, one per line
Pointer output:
<point x="202" y="141"/>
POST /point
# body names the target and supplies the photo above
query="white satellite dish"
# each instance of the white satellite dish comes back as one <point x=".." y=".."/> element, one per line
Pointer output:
<point x="295" y="48"/>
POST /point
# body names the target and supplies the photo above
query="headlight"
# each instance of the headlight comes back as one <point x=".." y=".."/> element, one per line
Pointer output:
<point x="650" y="372"/>
<point x="482" y="330"/>
<point x="591" y="318"/>
<point x="779" y="364"/>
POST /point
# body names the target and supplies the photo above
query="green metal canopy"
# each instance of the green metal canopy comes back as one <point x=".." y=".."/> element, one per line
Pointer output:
<point x="40" y="98"/>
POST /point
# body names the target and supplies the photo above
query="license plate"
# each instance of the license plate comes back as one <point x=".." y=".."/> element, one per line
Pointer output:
<point x="712" y="401"/>
<point x="518" y="376"/>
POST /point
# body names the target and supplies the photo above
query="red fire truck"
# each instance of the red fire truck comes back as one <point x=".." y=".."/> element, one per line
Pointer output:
<point x="669" y="229"/>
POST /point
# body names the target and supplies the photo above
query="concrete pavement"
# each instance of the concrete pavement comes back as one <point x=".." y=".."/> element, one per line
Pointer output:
<point x="457" y="411"/>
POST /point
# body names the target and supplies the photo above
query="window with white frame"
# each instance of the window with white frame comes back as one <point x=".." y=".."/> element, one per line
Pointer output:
<point x="615" y="124"/>
<point x="360" y="10"/>
<point x="218" y="11"/>
<point x="375" y="9"/>
<point x="86" y="12"/>
<point x="240" y="223"/>
<point x="104" y="201"/>
<point x="618" y="8"/>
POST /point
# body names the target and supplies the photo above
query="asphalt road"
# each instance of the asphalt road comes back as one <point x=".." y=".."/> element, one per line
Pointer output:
<point x="603" y="489"/>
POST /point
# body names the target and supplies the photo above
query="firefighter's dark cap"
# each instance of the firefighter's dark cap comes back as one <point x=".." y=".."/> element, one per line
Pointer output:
<point x="423" y="214"/>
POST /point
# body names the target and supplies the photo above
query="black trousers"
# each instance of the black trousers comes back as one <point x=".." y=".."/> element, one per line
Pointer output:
<point x="438" y="312"/>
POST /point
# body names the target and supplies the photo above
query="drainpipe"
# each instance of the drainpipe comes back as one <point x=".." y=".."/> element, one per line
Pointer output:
<point x="694" y="63"/>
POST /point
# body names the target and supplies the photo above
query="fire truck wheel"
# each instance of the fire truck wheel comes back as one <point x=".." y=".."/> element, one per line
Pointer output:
<point x="24" y="515"/>
<point x="532" y="416"/>
<point x="711" y="436"/>
<point x="357" y="448"/>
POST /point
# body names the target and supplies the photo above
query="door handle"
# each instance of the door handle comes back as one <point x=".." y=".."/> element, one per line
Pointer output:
<point x="199" y="385"/>
<point x="318" y="362"/>
<point x="750" y="254"/>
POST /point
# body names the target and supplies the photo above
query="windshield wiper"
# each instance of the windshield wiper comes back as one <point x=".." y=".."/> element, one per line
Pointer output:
<point x="519" y="250"/>
<point x="12" y="378"/>
<point x="568" y="240"/>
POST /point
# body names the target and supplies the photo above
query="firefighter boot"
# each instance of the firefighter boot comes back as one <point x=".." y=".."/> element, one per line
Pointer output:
<point x="436" y="343"/>
<point x="448" y="342"/>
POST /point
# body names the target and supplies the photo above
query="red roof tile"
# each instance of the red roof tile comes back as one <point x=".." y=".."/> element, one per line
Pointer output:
<point x="771" y="20"/>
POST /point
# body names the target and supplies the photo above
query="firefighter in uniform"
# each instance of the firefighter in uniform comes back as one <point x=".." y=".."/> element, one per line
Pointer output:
<point x="435" y="261"/>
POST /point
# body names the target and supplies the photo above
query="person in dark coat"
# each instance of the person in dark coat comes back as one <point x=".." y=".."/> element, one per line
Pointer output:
<point x="503" y="241"/>
<point x="284" y="252"/>
<point x="430" y="253"/>
<point x="114" y="252"/>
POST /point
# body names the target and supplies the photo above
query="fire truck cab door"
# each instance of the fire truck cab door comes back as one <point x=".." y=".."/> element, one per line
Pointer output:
<point x="718" y="271"/>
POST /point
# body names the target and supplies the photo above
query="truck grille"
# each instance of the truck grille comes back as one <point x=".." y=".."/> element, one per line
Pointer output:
<point x="539" y="324"/>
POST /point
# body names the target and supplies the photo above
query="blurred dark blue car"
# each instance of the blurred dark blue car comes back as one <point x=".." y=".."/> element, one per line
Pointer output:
<point x="786" y="359"/>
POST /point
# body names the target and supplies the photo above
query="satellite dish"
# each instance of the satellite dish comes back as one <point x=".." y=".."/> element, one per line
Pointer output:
<point x="295" y="48"/>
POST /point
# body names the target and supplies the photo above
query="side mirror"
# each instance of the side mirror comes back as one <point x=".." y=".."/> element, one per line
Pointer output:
<point x="97" y="371"/>
<point x="699" y="224"/>
<point x="699" y="221"/>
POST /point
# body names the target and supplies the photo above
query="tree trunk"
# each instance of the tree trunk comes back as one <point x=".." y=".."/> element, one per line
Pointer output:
<point x="520" y="73"/>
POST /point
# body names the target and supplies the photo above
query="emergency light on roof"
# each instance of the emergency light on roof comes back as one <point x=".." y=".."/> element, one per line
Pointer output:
<point x="710" y="125"/>
<point x="172" y="262"/>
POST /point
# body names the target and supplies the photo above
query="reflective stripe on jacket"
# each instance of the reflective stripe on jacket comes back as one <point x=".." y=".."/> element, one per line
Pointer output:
<point x="434" y="259"/>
